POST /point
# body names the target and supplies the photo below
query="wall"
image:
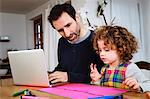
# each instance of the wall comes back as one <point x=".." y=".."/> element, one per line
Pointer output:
<point x="146" y="25"/>
<point x="34" y="13"/>
<point x="90" y="6"/>
<point x="29" y="23"/>
<point x="14" y="26"/>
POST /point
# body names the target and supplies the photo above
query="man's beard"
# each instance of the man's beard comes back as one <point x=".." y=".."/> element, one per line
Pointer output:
<point x="71" y="35"/>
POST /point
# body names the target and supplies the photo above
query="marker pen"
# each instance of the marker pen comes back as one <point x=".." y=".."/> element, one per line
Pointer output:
<point x="19" y="93"/>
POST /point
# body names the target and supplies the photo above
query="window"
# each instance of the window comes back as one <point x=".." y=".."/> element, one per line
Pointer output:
<point x="38" y="32"/>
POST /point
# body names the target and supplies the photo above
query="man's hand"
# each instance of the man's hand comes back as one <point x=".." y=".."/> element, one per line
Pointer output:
<point x="58" y="76"/>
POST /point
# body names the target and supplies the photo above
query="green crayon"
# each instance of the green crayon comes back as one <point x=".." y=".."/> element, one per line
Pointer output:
<point x="19" y="93"/>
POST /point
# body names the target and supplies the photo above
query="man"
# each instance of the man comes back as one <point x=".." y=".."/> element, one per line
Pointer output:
<point x="75" y="51"/>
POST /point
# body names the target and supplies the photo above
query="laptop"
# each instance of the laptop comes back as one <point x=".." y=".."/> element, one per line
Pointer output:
<point x="29" y="68"/>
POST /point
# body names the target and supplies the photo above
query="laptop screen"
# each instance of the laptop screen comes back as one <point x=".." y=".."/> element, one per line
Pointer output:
<point x="28" y="67"/>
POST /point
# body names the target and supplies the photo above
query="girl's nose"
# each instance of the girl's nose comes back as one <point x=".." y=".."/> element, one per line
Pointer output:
<point x="102" y="53"/>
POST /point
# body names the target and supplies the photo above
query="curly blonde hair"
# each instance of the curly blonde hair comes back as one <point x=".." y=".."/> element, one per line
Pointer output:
<point x="118" y="38"/>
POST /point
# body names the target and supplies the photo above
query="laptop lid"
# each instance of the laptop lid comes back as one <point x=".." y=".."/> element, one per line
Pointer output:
<point x="28" y="67"/>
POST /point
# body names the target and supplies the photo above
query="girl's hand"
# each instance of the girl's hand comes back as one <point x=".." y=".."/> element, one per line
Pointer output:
<point x="94" y="74"/>
<point x="132" y="83"/>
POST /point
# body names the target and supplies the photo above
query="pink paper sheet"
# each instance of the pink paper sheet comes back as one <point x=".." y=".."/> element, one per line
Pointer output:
<point x="82" y="91"/>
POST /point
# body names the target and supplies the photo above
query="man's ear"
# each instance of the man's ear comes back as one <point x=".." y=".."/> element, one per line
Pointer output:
<point x="78" y="17"/>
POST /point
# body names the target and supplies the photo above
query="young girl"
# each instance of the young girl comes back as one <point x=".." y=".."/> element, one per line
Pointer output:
<point x="116" y="46"/>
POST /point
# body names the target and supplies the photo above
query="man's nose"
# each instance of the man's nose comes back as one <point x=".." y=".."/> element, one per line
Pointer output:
<point x="66" y="32"/>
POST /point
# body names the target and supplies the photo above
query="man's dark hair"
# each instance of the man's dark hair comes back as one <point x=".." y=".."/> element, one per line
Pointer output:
<point x="57" y="11"/>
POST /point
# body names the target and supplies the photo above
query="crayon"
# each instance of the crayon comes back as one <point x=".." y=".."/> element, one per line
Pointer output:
<point x="19" y="93"/>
